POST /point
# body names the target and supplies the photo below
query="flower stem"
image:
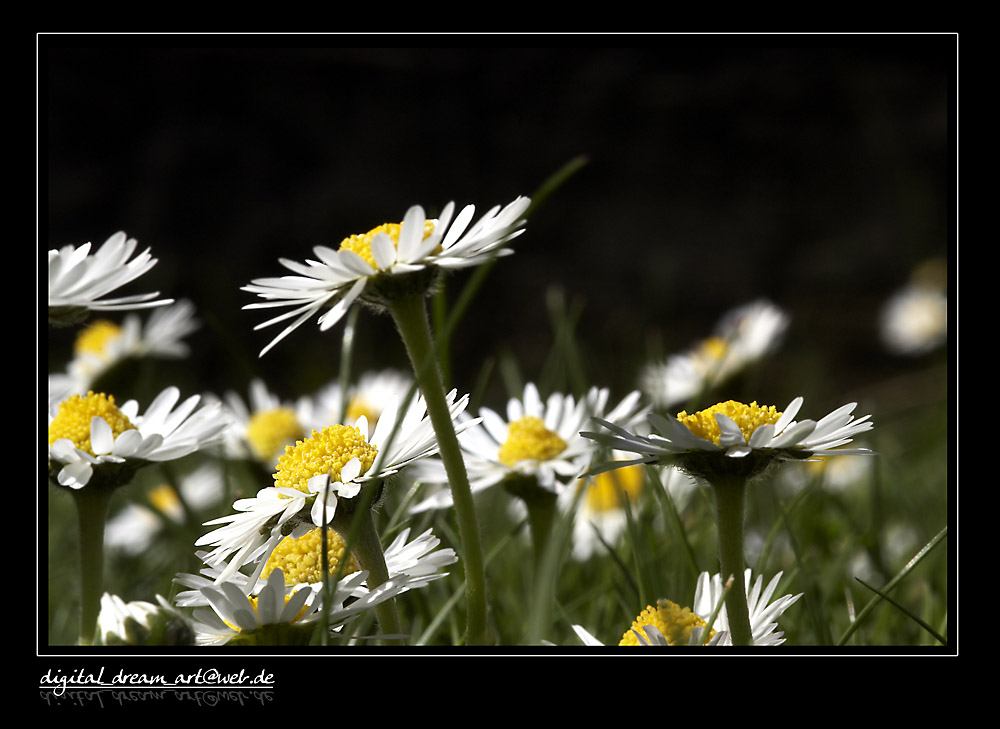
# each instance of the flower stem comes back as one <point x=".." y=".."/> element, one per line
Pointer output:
<point x="730" y="501"/>
<point x="367" y="547"/>
<point x="92" y="513"/>
<point x="410" y="315"/>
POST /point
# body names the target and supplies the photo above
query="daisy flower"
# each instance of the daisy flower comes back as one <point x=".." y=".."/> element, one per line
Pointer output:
<point x="78" y="279"/>
<point x="90" y="434"/>
<point x="670" y="624"/>
<point x="278" y="615"/>
<point x="104" y="344"/>
<point x="537" y="439"/>
<point x="264" y="424"/>
<point x="409" y="563"/>
<point x="141" y="623"/>
<point x="372" y="265"/>
<point x="331" y="464"/>
<point x="600" y="516"/>
<point x="743" y="336"/>
<point x="914" y="320"/>
<point x="731" y="433"/>
<point x="369" y="396"/>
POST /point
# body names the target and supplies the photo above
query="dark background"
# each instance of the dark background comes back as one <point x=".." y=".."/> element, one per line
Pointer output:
<point x="812" y="170"/>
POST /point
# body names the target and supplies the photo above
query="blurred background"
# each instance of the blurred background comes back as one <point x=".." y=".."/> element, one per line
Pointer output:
<point x="815" y="171"/>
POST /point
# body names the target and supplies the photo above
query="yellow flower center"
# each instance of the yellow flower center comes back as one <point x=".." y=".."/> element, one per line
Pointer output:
<point x="325" y="451"/>
<point x="747" y="417"/>
<point x="269" y="431"/>
<point x="605" y="491"/>
<point x="673" y="621"/>
<point x="301" y="559"/>
<point x="713" y="348"/>
<point x="94" y="339"/>
<point x="165" y="499"/>
<point x="74" y="416"/>
<point x="357" y="407"/>
<point x="529" y="439"/>
<point x="362" y="244"/>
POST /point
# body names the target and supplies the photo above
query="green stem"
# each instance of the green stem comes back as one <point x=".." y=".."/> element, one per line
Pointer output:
<point x="541" y="507"/>
<point x="730" y="500"/>
<point x="92" y="513"/>
<point x="368" y="549"/>
<point x="410" y="315"/>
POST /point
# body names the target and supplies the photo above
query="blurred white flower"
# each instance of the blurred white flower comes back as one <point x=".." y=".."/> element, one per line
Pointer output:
<point x="914" y="321"/>
<point x="103" y="344"/>
<point x="743" y="336"/>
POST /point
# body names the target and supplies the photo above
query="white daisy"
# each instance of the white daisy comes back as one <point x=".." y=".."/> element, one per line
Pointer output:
<point x="600" y="516"/>
<point x="537" y="439"/>
<point x="670" y="624"/>
<point x="264" y="424"/>
<point x="89" y="434"/>
<point x="743" y="336"/>
<point x="763" y="613"/>
<point x="408" y="563"/>
<point x="104" y="344"/>
<point x="314" y="474"/>
<point x="365" y="262"/>
<point x="281" y="614"/>
<point x="368" y="396"/>
<point x="737" y="431"/>
<point x="79" y="279"/>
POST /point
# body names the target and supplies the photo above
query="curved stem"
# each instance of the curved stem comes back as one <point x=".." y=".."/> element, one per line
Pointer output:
<point x="92" y="512"/>
<point x="730" y="500"/>
<point x="410" y="315"/>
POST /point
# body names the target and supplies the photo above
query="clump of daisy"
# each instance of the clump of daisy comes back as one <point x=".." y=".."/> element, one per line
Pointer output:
<point x="410" y="564"/>
<point x="319" y="482"/>
<point x="727" y="446"/>
<point x="96" y="447"/>
<point x="80" y="281"/>
<point x="742" y="337"/>
<point x="706" y="621"/>
<point x="914" y="321"/>
<point x="393" y="267"/>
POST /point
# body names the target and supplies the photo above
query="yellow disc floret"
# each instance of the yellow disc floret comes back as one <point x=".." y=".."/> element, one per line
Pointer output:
<point x="362" y="244"/>
<point x="674" y="623"/>
<point x="747" y="417"/>
<point x="606" y="491"/>
<point x="713" y="348"/>
<point x="269" y="431"/>
<point x="301" y="559"/>
<point x="359" y="406"/>
<point x="529" y="439"/>
<point x="74" y="416"/>
<point x="94" y="339"/>
<point x="326" y="451"/>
